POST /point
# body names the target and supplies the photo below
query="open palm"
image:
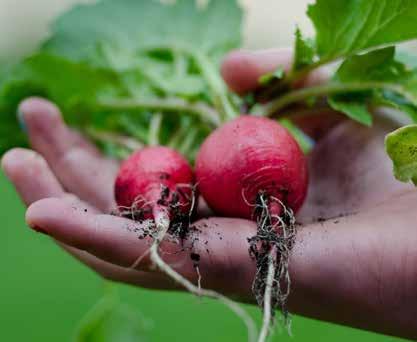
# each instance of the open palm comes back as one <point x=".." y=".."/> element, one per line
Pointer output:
<point x="355" y="258"/>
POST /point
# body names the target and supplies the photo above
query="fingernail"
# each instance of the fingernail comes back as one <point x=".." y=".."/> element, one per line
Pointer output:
<point x="21" y="120"/>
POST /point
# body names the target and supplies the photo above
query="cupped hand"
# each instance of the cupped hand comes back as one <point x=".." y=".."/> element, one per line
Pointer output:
<point x="355" y="259"/>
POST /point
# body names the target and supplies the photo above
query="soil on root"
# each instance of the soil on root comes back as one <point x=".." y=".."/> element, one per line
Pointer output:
<point x="180" y="226"/>
<point x="179" y="231"/>
<point x="273" y="243"/>
<point x="180" y="222"/>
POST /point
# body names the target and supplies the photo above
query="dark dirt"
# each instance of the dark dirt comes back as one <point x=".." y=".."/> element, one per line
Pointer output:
<point x="196" y="259"/>
<point x="335" y="218"/>
<point x="180" y="228"/>
<point x="173" y="200"/>
<point x="275" y="238"/>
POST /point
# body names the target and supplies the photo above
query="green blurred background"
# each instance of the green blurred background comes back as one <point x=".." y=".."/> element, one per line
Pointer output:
<point x="44" y="293"/>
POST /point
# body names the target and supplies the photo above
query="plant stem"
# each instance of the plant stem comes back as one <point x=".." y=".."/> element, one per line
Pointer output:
<point x="295" y="76"/>
<point x="179" y="135"/>
<point x="104" y="136"/>
<point x="188" y="142"/>
<point x="211" y="74"/>
<point x="290" y="79"/>
<point x="328" y="89"/>
<point x="180" y="62"/>
<point x="199" y="109"/>
<point x="217" y="86"/>
<point x="154" y="129"/>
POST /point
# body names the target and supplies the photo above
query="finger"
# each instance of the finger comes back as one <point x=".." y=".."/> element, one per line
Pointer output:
<point x="220" y="244"/>
<point x="31" y="175"/>
<point x="121" y="274"/>
<point x="34" y="180"/>
<point x="76" y="163"/>
<point x="242" y="69"/>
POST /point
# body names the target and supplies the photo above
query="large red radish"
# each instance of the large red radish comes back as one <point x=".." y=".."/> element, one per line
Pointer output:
<point x="246" y="157"/>
<point x="253" y="168"/>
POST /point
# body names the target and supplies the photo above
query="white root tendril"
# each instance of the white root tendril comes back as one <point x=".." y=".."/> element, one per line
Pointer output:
<point x="271" y="249"/>
<point x="267" y="317"/>
<point x="197" y="268"/>
<point x="162" y="225"/>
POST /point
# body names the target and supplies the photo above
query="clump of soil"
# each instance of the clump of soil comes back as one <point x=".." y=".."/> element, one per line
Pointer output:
<point x="180" y="222"/>
<point x="272" y="244"/>
<point x="179" y="231"/>
<point x="180" y="227"/>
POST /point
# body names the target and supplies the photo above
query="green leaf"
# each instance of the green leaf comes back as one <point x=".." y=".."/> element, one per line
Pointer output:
<point x="389" y="82"/>
<point x="345" y="27"/>
<point x="378" y="65"/>
<point x="306" y="143"/>
<point x="357" y="31"/>
<point x="356" y="110"/>
<point x="401" y="146"/>
<point x="120" y="34"/>
<point x="11" y="135"/>
<point x="69" y="84"/>
<point x="154" y="57"/>
<point x="304" y="51"/>
<point x="127" y="27"/>
<point x="271" y="76"/>
<point x="75" y="87"/>
<point x="387" y="98"/>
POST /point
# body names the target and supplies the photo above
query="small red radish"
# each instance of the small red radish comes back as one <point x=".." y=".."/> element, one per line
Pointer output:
<point x="246" y="157"/>
<point x="253" y="168"/>
<point x="155" y="182"/>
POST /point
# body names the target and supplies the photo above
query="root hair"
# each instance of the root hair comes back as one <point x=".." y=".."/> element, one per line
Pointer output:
<point x="173" y="223"/>
<point x="271" y="248"/>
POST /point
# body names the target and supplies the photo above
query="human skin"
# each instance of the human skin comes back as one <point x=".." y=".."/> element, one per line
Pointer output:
<point x="358" y="270"/>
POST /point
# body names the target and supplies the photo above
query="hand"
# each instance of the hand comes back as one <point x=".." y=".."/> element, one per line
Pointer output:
<point x="357" y="270"/>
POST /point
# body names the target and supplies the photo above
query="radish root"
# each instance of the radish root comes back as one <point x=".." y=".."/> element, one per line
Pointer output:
<point x="271" y="249"/>
<point x="162" y="226"/>
<point x="266" y="323"/>
<point x="197" y="290"/>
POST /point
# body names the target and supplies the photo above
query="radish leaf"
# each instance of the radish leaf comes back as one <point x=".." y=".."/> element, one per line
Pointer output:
<point x="401" y="146"/>
<point x="128" y="27"/>
<point x="119" y="59"/>
<point x="346" y="27"/>
<point x="269" y="77"/>
<point x="356" y="110"/>
<point x="116" y="33"/>
<point x="304" y="51"/>
<point x="389" y="82"/>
